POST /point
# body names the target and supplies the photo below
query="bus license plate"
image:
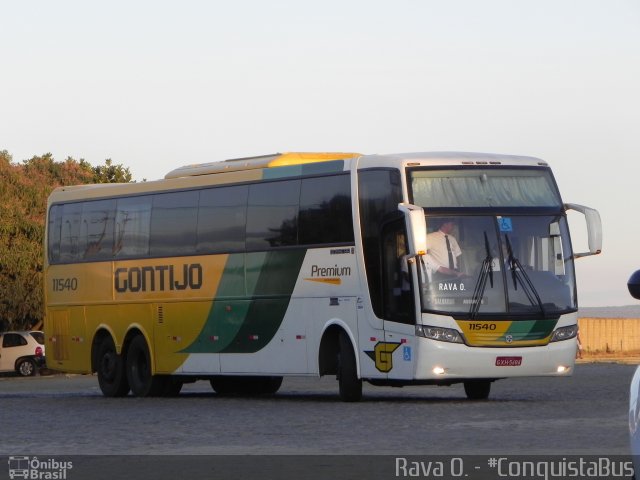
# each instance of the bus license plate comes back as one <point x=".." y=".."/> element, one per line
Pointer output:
<point x="508" y="361"/>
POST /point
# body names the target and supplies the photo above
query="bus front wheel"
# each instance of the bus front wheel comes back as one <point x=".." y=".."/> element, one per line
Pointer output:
<point x="350" y="386"/>
<point x="110" y="367"/>
<point x="477" y="389"/>
<point x="141" y="381"/>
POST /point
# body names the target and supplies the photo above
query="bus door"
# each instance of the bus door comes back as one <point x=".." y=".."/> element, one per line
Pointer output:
<point x="396" y="356"/>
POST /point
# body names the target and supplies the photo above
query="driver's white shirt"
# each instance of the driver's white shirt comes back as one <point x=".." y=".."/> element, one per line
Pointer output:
<point x="437" y="250"/>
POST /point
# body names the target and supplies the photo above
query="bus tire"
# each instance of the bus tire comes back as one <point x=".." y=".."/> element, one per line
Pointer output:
<point x="142" y="383"/>
<point x="477" y="389"/>
<point x="271" y="385"/>
<point x="349" y="385"/>
<point x="110" y="368"/>
<point x="224" y="385"/>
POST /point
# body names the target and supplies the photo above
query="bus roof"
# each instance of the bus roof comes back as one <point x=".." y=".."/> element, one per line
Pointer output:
<point x="453" y="159"/>
<point x="251" y="169"/>
<point x="263" y="161"/>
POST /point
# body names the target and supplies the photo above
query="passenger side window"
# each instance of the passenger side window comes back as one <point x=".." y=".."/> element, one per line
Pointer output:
<point x="70" y="232"/>
<point x="325" y="211"/>
<point x="133" y="219"/>
<point x="174" y="221"/>
<point x="272" y="215"/>
<point x="53" y="232"/>
<point x="222" y="217"/>
<point x="13" y="340"/>
<point x="96" y="232"/>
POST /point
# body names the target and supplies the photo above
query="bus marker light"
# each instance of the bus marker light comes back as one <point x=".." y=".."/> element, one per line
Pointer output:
<point x="300" y="337"/>
<point x="438" y="370"/>
<point x="253" y="337"/>
<point x="372" y="339"/>
<point x="214" y="338"/>
<point x="562" y="369"/>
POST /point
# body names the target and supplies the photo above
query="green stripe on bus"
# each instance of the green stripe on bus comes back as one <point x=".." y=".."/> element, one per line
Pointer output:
<point x="531" y="329"/>
<point x="245" y="325"/>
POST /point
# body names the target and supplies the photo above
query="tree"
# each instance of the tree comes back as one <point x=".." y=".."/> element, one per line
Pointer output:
<point x="24" y="189"/>
<point x="109" y="173"/>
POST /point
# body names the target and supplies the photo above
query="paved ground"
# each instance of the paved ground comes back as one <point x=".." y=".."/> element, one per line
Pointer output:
<point x="66" y="415"/>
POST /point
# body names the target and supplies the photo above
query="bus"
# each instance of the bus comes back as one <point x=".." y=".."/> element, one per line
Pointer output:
<point x="245" y="271"/>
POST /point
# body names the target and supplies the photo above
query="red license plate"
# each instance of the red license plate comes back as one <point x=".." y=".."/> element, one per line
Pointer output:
<point x="508" y="361"/>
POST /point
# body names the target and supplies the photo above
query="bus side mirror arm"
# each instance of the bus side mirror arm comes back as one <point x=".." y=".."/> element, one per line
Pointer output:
<point x="594" y="228"/>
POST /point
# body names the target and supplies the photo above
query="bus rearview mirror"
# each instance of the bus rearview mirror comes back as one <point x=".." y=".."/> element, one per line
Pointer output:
<point x="594" y="229"/>
<point x="416" y="228"/>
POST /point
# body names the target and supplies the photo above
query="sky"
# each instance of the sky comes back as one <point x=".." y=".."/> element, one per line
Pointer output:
<point x="154" y="85"/>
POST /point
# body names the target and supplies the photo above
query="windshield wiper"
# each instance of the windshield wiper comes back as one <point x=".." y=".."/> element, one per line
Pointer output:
<point x="518" y="274"/>
<point x="486" y="271"/>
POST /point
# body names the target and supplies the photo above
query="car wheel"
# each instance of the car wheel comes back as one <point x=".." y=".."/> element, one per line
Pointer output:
<point x="26" y="367"/>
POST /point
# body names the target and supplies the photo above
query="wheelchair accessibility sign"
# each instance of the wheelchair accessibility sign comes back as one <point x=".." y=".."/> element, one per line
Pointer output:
<point x="505" y="224"/>
<point x="406" y="353"/>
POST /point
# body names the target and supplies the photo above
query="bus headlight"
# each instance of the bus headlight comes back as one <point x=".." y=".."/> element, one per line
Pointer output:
<point x="564" y="333"/>
<point x="439" y="333"/>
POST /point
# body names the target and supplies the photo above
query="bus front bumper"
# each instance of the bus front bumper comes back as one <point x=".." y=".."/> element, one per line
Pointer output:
<point x="452" y="361"/>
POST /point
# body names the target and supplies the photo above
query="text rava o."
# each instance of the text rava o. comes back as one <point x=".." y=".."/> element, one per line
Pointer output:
<point x="429" y="469"/>
<point x="158" y="278"/>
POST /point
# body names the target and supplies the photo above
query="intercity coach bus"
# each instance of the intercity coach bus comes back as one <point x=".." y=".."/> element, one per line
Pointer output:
<point x="244" y="271"/>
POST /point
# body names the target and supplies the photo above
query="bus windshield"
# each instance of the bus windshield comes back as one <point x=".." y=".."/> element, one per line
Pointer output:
<point x="492" y="265"/>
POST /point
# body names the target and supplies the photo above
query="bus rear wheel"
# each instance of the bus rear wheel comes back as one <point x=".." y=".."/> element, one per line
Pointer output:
<point x="349" y="385"/>
<point x="110" y="368"/>
<point x="477" y="389"/>
<point x="141" y="381"/>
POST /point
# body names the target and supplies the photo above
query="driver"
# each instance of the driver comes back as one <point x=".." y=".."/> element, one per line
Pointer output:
<point x="443" y="253"/>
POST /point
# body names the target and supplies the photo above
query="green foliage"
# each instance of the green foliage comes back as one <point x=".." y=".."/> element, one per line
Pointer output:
<point x="24" y="189"/>
<point x="109" y="173"/>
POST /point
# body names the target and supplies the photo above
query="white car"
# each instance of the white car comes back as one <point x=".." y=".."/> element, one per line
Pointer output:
<point x="634" y="393"/>
<point x="22" y="352"/>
